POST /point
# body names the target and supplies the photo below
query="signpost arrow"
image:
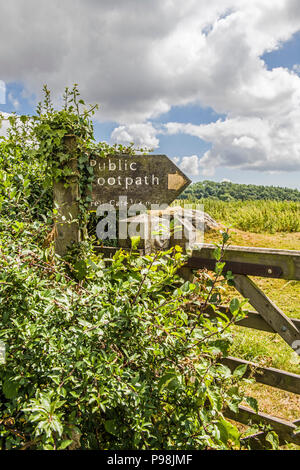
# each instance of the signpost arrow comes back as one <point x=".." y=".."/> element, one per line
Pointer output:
<point x="143" y="179"/>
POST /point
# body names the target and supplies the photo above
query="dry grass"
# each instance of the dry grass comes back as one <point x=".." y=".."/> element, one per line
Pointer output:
<point x="279" y="240"/>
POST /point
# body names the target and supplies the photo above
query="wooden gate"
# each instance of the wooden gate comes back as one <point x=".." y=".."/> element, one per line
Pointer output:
<point x="268" y="263"/>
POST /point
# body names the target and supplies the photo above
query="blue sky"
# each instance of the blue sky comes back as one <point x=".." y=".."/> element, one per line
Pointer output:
<point x="216" y="88"/>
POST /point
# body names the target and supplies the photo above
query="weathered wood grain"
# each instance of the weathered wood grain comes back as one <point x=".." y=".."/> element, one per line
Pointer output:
<point x="267" y="309"/>
<point x="288" y="261"/>
<point x="284" y="429"/>
<point x="266" y="375"/>
<point x="66" y="200"/>
<point x="143" y="179"/>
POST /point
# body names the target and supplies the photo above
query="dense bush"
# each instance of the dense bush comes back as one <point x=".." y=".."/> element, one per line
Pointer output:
<point x="115" y="356"/>
<point x="125" y="359"/>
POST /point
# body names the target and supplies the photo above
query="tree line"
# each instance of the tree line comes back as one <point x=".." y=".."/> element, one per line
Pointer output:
<point x="227" y="191"/>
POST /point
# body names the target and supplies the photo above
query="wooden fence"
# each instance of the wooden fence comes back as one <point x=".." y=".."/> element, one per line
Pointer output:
<point x="267" y="263"/>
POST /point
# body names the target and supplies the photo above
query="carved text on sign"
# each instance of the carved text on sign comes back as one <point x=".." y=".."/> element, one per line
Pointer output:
<point x="143" y="179"/>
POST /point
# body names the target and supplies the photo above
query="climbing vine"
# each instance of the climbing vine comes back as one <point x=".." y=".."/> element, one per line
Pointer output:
<point x="54" y="137"/>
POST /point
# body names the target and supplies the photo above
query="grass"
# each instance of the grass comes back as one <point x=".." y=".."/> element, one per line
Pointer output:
<point x="253" y="216"/>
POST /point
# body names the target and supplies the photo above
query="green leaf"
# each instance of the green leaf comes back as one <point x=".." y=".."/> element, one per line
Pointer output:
<point x="80" y="268"/>
<point x="228" y="432"/>
<point x="111" y="426"/>
<point x="135" y="242"/>
<point x="240" y="371"/>
<point x="215" y="399"/>
<point x="166" y="380"/>
<point x="234" y="406"/>
<point x="273" y="439"/>
<point x="65" y="444"/>
<point x="23" y="119"/>
<point x="225" y="237"/>
<point x="219" y="267"/>
<point x="57" y="426"/>
<point x="10" y="389"/>
<point x="253" y="403"/>
<point x="185" y="287"/>
<point x="234" y="306"/>
<point x="217" y="253"/>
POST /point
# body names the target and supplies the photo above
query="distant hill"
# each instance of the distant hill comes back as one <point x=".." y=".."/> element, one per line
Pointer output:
<point x="227" y="191"/>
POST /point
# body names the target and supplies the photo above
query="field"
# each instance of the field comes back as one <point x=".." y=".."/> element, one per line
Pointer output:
<point x="253" y="216"/>
<point x="282" y="220"/>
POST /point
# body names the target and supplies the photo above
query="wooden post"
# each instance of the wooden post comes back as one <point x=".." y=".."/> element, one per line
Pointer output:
<point x="65" y="195"/>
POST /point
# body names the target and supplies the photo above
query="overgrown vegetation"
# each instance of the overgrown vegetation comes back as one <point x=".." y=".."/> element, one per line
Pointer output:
<point x="124" y="368"/>
<point x="101" y="356"/>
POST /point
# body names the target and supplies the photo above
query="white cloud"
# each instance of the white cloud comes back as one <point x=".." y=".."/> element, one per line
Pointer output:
<point x="142" y="135"/>
<point x="190" y="165"/>
<point x="249" y="143"/>
<point x="244" y="142"/>
<point x="138" y="59"/>
<point x="296" y="68"/>
<point x="14" y="101"/>
<point x="2" y="92"/>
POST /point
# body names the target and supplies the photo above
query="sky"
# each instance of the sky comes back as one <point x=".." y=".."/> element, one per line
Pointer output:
<point x="214" y="85"/>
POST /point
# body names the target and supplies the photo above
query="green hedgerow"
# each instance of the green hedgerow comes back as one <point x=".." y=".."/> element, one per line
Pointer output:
<point x="118" y="355"/>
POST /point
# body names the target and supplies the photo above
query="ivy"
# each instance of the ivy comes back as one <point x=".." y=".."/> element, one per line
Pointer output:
<point x="119" y="354"/>
<point x="44" y="138"/>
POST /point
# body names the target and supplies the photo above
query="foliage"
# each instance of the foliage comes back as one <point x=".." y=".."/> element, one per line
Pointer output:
<point x="126" y="357"/>
<point x="228" y="191"/>
<point x="47" y="143"/>
<point x="118" y="355"/>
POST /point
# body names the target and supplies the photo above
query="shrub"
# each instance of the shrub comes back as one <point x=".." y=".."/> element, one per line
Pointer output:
<point x="124" y="358"/>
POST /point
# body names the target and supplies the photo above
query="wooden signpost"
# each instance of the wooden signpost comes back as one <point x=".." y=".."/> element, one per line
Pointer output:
<point x="65" y="197"/>
<point x="143" y="179"/>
